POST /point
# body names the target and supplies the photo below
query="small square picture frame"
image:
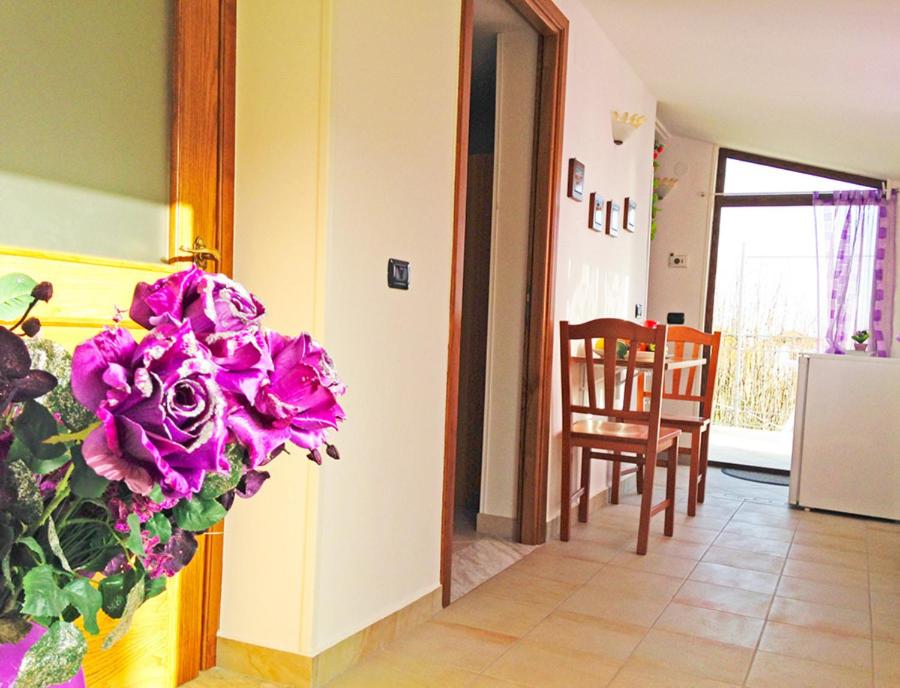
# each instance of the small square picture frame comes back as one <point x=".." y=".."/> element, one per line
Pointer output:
<point x="613" y="212"/>
<point x="596" y="212"/>
<point x="629" y="219"/>
<point x="576" y="180"/>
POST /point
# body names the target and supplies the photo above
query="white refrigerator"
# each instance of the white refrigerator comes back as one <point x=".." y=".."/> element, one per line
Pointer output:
<point x="846" y="454"/>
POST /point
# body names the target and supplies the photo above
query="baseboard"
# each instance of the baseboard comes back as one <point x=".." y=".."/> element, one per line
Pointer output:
<point x="301" y="671"/>
<point x="504" y="527"/>
<point x="597" y="502"/>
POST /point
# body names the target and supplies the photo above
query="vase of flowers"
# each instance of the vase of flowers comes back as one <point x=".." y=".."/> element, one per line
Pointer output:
<point x="860" y="340"/>
<point x="113" y="460"/>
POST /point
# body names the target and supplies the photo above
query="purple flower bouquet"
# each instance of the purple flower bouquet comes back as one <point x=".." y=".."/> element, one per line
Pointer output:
<point x="113" y="460"/>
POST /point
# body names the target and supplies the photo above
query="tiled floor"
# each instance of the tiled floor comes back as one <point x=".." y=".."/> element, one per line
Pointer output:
<point x="747" y="593"/>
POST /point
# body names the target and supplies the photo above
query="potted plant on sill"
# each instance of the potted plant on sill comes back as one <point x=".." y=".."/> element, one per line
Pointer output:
<point x="114" y="459"/>
<point x="860" y="340"/>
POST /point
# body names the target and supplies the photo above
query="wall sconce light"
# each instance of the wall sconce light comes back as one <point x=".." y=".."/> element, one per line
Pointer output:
<point x="624" y="124"/>
<point x="664" y="185"/>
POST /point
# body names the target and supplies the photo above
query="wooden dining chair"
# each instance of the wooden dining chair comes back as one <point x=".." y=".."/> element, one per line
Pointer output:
<point x="695" y="384"/>
<point x="611" y="429"/>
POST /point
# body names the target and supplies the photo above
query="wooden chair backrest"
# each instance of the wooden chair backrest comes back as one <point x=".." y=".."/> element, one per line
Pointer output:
<point x="683" y="384"/>
<point x="611" y="331"/>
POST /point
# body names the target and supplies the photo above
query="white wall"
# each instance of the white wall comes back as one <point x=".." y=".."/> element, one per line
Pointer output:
<point x="393" y="136"/>
<point x="684" y="224"/>
<point x="517" y="59"/>
<point x="598" y="275"/>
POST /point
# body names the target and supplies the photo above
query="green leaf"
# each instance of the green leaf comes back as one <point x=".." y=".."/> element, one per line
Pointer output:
<point x="32" y="427"/>
<point x="198" y="514"/>
<point x="79" y="436"/>
<point x="134" y="600"/>
<point x="155" y="586"/>
<point x="159" y="526"/>
<point x="86" y="482"/>
<point x="87" y="600"/>
<point x="135" y="542"/>
<point x="114" y="590"/>
<point x="156" y="494"/>
<point x="19" y="494"/>
<point x="55" y="547"/>
<point x="43" y="597"/>
<point x="53" y="659"/>
<point x="33" y="545"/>
<point x="217" y="484"/>
<point x="15" y="295"/>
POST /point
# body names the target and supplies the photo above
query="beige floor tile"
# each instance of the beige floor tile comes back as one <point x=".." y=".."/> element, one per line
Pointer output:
<point x="806" y="643"/>
<point x="832" y="524"/>
<point x="618" y="579"/>
<point x="423" y="670"/>
<point x="653" y="562"/>
<point x="767" y="563"/>
<point x="887" y="664"/>
<point x="778" y="671"/>
<point x="673" y="547"/>
<point x="622" y="606"/>
<point x="580" y="549"/>
<point x="220" y="678"/>
<point x="744" y="579"/>
<point x="823" y="593"/>
<point x="617" y="538"/>
<point x="826" y="573"/>
<point x="756" y="530"/>
<point x="495" y="613"/>
<point x="491" y="682"/>
<point x="380" y="672"/>
<point x="640" y="673"/>
<point x="711" y="624"/>
<point x="753" y="544"/>
<point x="524" y="587"/>
<point x="827" y="555"/>
<point x="885" y="581"/>
<point x="565" y="569"/>
<point x="886" y="625"/>
<point x="463" y="647"/>
<point x="883" y="560"/>
<point x="686" y="531"/>
<point x="814" y="539"/>
<point x="692" y="655"/>
<point x="542" y="665"/>
<point x="725" y="599"/>
<point x="821" y="617"/>
<point x="613" y="640"/>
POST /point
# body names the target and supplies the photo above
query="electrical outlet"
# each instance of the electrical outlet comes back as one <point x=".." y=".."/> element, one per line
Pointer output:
<point x="638" y="310"/>
<point x="677" y="260"/>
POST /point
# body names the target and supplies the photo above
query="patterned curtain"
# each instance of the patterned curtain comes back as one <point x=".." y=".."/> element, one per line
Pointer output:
<point x="855" y="237"/>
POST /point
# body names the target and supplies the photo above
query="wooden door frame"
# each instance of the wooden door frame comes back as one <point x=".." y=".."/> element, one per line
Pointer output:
<point x="553" y="27"/>
<point x="202" y="205"/>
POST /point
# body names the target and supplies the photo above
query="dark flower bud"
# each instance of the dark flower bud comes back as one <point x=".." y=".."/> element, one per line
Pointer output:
<point x="332" y="451"/>
<point x="315" y="456"/>
<point x="31" y="327"/>
<point x="42" y="291"/>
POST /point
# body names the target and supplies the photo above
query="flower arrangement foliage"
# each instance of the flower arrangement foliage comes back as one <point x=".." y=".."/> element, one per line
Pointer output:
<point x="658" y="148"/>
<point x="860" y="336"/>
<point x="114" y="459"/>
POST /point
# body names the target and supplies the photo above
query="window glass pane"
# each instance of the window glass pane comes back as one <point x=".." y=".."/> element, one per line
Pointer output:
<point x="749" y="177"/>
<point x="85" y="116"/>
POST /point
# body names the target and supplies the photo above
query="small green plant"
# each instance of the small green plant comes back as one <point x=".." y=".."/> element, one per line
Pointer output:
<point x="860" y="336"/>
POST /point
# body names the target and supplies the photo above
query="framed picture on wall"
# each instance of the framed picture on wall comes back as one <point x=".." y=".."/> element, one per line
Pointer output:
<point x="596" y="212"/>
<point x="613" y="212"/>
<point x="629" y="221"/>
<point x="576" y="180"/>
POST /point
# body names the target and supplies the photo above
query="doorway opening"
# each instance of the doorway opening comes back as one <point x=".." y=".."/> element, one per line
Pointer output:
<point x="512" y="77"/>
<point x="763" y="297"/>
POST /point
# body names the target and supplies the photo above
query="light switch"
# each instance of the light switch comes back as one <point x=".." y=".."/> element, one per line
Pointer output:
<point x="398" y="273"/>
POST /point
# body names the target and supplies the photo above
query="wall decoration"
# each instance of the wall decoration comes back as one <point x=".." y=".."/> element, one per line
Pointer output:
<point x="658" y="148"/>
<point x="596" y="212"/>
<point x="629" y="221"/>
<point x="613" y="212"/>
<point x="576" y="180"/>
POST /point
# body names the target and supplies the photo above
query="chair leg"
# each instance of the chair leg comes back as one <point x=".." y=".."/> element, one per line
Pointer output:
<point x="639" y="479"/>
<point x="614" y="487"/>
<point x="584" y="503"/>
<point x="694" y="472"/>
<point x="671" y="474"/>
<point x="565" y="505"/>
<point x="704" y="464"/>
<point x="646" y="503"/>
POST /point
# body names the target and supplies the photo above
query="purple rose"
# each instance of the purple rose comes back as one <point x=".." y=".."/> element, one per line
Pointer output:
<point x="212" y="303"/>
<point x="223" y="315"/>
<point x="297" y="403"/>
<point x="160" y="406"/>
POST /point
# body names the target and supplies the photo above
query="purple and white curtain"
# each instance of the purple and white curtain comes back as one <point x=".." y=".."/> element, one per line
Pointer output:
<point x="855" y="236"/>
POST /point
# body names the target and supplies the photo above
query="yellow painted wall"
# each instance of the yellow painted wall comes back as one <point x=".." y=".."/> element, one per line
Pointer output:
<point x="282" y="55"/>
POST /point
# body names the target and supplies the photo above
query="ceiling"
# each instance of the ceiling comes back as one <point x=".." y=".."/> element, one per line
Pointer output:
<point x="805" y="80"/>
